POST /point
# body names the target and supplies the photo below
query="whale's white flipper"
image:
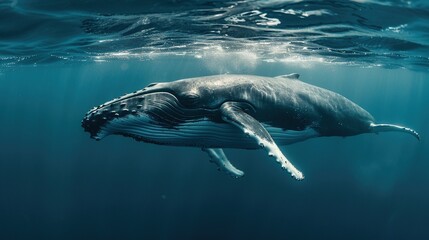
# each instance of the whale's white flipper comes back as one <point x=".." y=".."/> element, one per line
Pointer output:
<point x="232" y="113"/>
<point x="219" y="158"/>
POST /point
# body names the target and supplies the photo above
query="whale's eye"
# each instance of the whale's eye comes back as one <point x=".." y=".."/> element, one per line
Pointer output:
<point x="189" y="99"/>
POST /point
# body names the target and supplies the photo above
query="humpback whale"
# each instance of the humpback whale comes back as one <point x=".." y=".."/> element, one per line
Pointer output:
<point x="233" y="111"/>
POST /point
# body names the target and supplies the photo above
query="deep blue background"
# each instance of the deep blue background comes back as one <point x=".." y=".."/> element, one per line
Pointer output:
<point x="57" y="183"/>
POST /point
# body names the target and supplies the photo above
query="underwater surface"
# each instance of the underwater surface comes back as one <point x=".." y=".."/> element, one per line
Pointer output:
<point x="58" y="59"/>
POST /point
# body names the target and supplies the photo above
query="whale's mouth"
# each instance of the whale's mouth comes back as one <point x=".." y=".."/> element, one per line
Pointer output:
<point x="160" y="109"/>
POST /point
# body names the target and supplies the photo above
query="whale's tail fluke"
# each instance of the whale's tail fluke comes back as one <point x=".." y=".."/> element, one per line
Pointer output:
<point x="376" y="128"/>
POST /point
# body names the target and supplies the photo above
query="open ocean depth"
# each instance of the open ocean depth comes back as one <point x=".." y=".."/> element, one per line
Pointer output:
<point x="58" y="59"/>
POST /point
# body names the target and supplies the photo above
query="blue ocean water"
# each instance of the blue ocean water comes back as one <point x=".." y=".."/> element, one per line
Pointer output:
<point x="58" y="59"/>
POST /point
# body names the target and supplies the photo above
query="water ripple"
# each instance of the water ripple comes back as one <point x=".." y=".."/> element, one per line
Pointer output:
<point x="383" y="33"/>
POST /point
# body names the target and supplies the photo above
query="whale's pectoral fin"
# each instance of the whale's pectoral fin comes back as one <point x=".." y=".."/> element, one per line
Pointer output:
<point x="232" y="112"/>
<point x="219" y="158"/>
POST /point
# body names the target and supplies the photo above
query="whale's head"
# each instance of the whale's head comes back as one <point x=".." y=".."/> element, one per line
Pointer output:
<point x="157" y="108"/>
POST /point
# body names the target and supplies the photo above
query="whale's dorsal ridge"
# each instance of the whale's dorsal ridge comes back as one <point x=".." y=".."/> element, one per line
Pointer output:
<point x="289" y="76"/>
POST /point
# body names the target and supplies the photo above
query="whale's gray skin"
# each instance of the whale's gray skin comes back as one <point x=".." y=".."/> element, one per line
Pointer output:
<point x="233" y="111"/>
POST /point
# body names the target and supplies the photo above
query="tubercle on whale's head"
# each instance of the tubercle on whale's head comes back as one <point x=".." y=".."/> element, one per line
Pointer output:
<point x="96" y="118"/>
